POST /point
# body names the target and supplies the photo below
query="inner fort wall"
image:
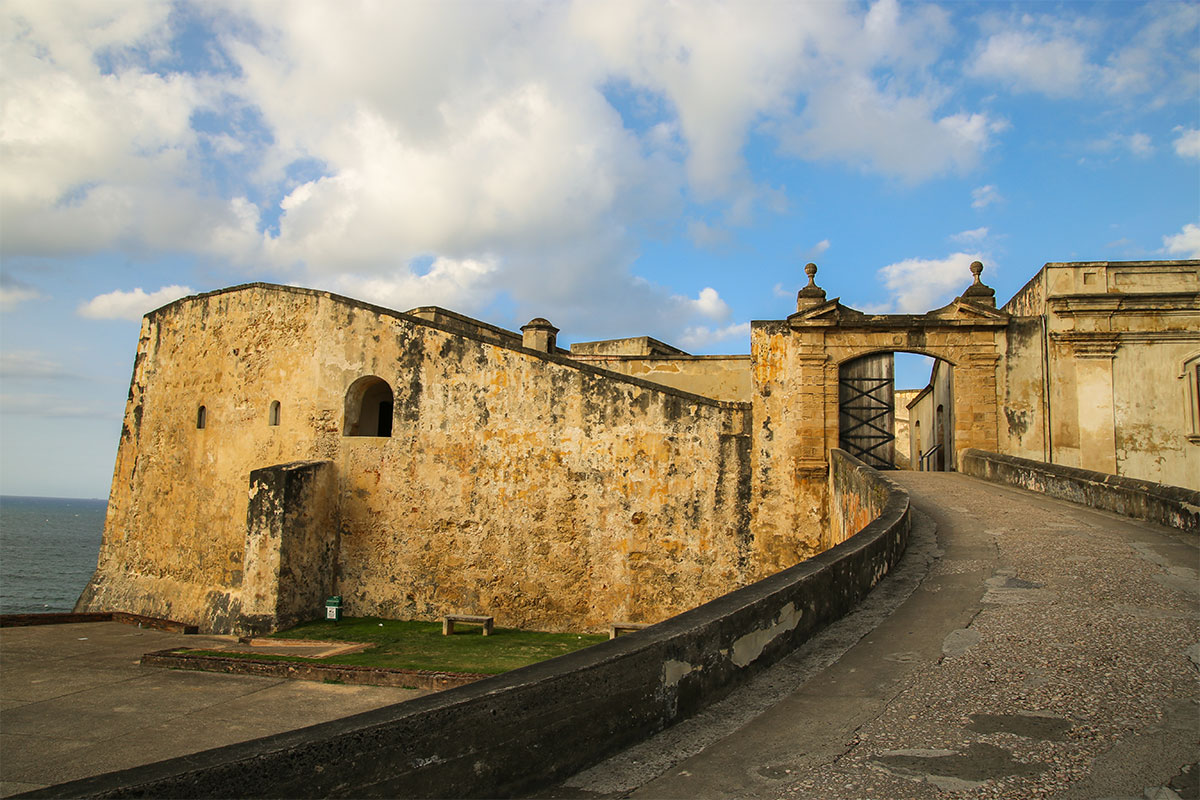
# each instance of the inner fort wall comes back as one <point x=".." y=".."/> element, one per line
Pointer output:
<point x="718" y="377"/>
<point x="547" y="493"/>
<point x="520" y="484"/>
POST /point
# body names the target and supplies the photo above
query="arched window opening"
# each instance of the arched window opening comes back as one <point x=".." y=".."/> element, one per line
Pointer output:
<point x="368" y="408"/>
<point x="273" y="414"/>
<point x="201" y="418"/>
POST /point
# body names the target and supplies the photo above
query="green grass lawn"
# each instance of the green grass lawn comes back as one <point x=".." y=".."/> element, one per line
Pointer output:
<point x="420" y="645"/>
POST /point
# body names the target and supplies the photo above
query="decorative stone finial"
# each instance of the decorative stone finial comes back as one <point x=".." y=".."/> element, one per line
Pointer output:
<point x="811" y="295"/>
<point x="539" y="335"/>
<point x="978" y="291"/>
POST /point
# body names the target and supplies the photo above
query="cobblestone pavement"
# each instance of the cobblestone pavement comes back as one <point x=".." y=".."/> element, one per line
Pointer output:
<point x="1037" y="649"/>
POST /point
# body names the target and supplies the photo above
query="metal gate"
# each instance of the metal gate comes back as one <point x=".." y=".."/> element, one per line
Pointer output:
<point x="867" y="410"/>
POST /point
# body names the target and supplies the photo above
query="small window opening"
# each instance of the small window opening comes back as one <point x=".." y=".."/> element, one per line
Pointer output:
<point x="369" y="408"/>
<point x="273" y="414"/>
<point x="941" y="437"/>
<point x="201" y="418"/>
<point x="1191" y="395"/>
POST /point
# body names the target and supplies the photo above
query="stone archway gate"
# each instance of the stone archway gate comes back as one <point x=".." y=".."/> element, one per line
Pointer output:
<point x="795" y="400"/>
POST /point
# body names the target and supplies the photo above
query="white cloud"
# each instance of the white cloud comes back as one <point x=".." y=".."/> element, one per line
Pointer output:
<point x="95" y="158"/>
<point x="458" y="285"/>
<point x="984" y="196"/>
<point x="1187" y="144"/>
<point x="1147" y="53"/>
<point x="1156" y="58"/>
<point x="130" y="305"/>
<point x="817" y="250"/>
<point x="922" y="284"/>
<point x="1027" y="61"/>
<point x="975" y="235"/>
<point x="709" y="304"/>
<point x="704" y="235"/>
<point x="697" y="338"/>
<point x="1139" y="144"/>
<point x="51" y="406"/>
<point x="352" y="139"/>
<point x="509" y="152"/>
<point x="1186" y="243"/>
<point x="13" y="292"/>
<point x="855" y="121"/>
<point x="28" y="364"/>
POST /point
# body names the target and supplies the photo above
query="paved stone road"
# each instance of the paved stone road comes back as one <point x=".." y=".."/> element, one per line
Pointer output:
<point x="74" y="702"/>
<point x="1035" y="648"/>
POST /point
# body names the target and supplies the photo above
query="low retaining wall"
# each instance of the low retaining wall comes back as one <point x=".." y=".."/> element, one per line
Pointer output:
<point x="69" y="618"/>
<point x="856" y="494"/>
<point x="311" y="671"/>
<point x="525" y="729"/>
<point x="1155" y="502"/>
<point x="52" y="618"/>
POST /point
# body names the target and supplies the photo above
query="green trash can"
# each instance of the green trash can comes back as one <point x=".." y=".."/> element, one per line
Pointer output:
<point x="333" y="608"/>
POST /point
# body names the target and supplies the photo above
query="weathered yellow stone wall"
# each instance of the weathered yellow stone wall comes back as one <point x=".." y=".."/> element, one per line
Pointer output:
<point x="716" y="377"/>
<point x="174" y="542"/>
<point x="1097" y="358"/>
<point x="557" y="497"/>
<point x="521" y="485"/>
<point x="903" y="428"/>
<point x="1023" y="419"/>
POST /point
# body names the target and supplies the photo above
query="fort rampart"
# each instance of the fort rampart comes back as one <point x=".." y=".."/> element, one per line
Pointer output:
<point x="548" y="493"/>
<point x="522" y="730"/>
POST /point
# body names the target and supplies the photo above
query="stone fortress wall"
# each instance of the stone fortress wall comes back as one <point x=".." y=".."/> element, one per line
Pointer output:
<point x="282" y="444"/>
<point x="550" y="494"/>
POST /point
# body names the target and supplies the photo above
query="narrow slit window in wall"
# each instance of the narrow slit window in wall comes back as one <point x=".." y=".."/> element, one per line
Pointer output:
<point x="201" y="418"/>
<point x="273" y="414"/>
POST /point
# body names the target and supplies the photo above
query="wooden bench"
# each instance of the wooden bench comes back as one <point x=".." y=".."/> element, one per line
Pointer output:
<point x="449" y="620"/>
<point x="625" y="627"/>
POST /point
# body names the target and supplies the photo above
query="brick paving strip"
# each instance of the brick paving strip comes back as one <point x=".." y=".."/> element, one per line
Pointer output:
<point x="1044" y="649"/>
<point x="179" y="658"/>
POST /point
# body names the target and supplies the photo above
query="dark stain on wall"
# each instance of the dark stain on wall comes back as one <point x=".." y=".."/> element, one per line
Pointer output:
<point x="1018" y="421"/>
<point x="410" y="362"/>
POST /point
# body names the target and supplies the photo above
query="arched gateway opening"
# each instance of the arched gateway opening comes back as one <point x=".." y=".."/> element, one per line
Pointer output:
<point x="883" y="411"/>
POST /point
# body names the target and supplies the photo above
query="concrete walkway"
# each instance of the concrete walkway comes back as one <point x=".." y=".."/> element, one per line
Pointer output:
<point x="74" y="703"/>
<point x="1034" y="648"/>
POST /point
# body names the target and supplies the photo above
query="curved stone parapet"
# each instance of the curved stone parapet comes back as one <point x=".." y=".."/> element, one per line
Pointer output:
<point x="528" y="728"/>
<point x="1160" y="503"/>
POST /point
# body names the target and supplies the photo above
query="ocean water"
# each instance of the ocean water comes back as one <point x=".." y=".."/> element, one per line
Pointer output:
<point x="48" y="549"/>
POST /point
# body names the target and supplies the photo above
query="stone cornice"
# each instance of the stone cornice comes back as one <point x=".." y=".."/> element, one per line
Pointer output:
<point x="1091" y="345"/>
<point x="1170" y="303"/>
<point x="1126" y="337"/>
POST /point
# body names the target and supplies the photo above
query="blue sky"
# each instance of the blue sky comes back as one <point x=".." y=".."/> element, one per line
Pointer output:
<point x="620" y="168"/>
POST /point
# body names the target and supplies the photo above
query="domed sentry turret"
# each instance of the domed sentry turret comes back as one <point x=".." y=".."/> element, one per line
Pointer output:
<point x="539" y="335"/>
